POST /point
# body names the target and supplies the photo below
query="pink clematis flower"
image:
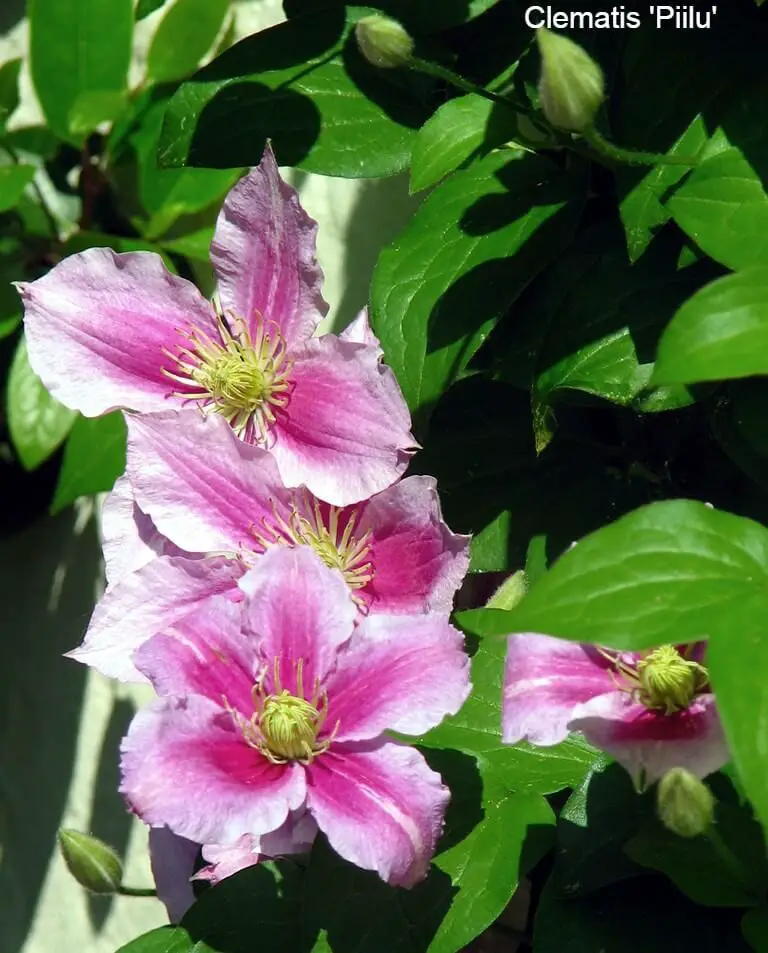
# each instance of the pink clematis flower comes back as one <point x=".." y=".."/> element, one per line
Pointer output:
<point x="174" y="859"/>
<point x="280" y="703"/>
<point x="194" y="489"/>
<point x="108" y="331"/>
<point x="651" y="712"/>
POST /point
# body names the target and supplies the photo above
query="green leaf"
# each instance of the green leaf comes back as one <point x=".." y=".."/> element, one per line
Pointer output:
<point x="674" y="571"/>
<point x="468" y="252"/>
<point x="78" y="48"/>
<point x="304" y="85"/>
<point x="38" y="423"/>
<point x="145" y="7"/>
<point x="186" y="33"/>
<point x="596" y="821"/>
<point x="632" y="917"/>
<point x="458" y="130"/>
<point x="168" y="939"/>
<point x="699" y="868"/>
<point x="90" y="109"/>
<point x="719" y="333"/>
<point x="476" y="730"/>
<point x="9" y="90"/>
<point x="736" y="235"/>
<point x="13" y="180"/>
<point x="94" y="457"/>
<point x="754" y="928"/>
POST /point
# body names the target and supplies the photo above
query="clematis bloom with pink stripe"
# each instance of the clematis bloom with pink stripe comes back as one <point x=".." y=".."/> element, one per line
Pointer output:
<point x="199" y="507"/>
<point x="281" y="703"/>
<point x="651" y="711"/>
<point x="108" y="331"/>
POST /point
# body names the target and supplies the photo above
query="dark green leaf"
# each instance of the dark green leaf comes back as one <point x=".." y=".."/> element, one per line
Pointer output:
<point x="635" y="916"/>
<point x="721" y="332"/>
<point x="38" y="423"/>
<point x="94" y="457"/>
<point x="595" y="823"/>
<point x="13" y="180"/>
<point x="459" y="129"/>
<point x="468" y="252"/>
<point x="670" y="572"/>
<point x="145" y="7"/>
<point x="754" y="928"/>
<point x="9" y="90"/>
<point x="305" y="86"/>
<point x="185" y="35"/>
<point x="702" y="869"/>
<point x="77" y="48"/>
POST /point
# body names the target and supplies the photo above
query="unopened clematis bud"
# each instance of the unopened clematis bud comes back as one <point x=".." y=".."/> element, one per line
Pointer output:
<point x="384" y="42"/>
<point x="510" y="592"/>
<point x="571" y="86"/>
<point x="685" y="804"/>
<point x="92" y="863"/>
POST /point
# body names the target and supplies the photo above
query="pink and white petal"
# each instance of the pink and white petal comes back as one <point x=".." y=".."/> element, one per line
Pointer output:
<point x="380" y="806"/>
<point x="129" y="538"/>
<point x="345" y="434"/>
<point x="404" y="673"/>
<point x="544" y="680"/>
<point x="359" y="331"/>
<point x="296" y="836"/>
<point x="297" y="608"/>
<point x="263" y="252"/>
<point x="203" y="488"/>
<point x="97" y="324"/>
<point x="147" y="602"/>
<point x="226" y="859"/>
<point x="419" y="563"/>
<point x="649" y="743"/>
<point x="204" y="653"/>
<point x="173" y="859"/>
<point x="185" y="765"/>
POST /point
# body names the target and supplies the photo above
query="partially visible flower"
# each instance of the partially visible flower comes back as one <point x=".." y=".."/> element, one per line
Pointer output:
<point x="108" y="331"/>
<point x="203" y="500"/>
<point x="175" y="858"/>
<point x="280" y="703"/>
<point x="651" y="712"/>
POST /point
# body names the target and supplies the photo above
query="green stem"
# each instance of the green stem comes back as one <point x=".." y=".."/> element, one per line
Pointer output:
<point x="631" y="156"/>
<point x="730" y="861"/>
<point x="466" y="85"/>
<point x="136" y="891"/>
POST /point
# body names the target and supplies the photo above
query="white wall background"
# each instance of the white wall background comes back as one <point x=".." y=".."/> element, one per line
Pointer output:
<point x="60" y="725"/>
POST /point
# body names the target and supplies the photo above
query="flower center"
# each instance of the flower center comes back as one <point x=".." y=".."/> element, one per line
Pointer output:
<point x="285" y="726"/>
<point x="243" y="378"/>
<point x="331" y="534"/>
<point x="664" y="680"/>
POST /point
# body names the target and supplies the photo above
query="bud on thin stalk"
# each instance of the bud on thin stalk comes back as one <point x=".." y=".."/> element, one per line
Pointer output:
<point x="92" y="863"/>
<point x="383" y="42"/>
<point x="685" y="804"/>
<point x="571" y="86"/>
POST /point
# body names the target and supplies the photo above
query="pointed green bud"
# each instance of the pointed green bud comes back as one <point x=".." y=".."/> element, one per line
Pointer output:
<point x="92" y="863"/>
<point x="510" y="592"/>
<point x="571" y="86"/>
<point x="383" y="42"/>
<point x="685" y="804"/>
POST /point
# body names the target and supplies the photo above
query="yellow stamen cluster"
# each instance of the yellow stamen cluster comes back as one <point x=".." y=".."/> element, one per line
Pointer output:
<point x="284" y="727"/>
<point x="664" y="680"/>
<point x="243" y="378"/>
<point x="332" y="537"/>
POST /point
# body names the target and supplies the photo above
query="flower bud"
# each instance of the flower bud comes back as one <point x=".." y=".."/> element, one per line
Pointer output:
<point x="383" y="42"/>
<point x="685" y="804"/>
<point x="571" y="86"/>
<point x="510" y="592"/>
<point x="92" y="863"/>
